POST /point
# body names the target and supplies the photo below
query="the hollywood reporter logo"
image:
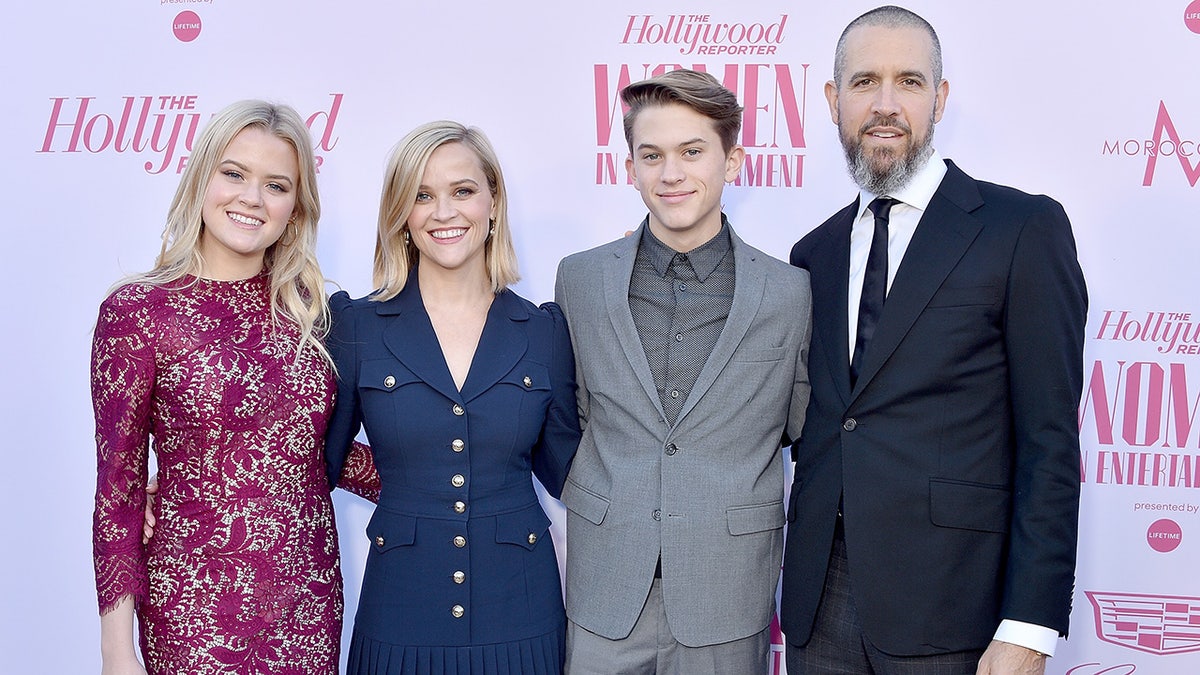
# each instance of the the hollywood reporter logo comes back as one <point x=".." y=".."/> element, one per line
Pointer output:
<point x="161" y="127"/>
<point x="771" y="91"/>
<point x="1137" y="416"/>
<point x="699" y="34"/>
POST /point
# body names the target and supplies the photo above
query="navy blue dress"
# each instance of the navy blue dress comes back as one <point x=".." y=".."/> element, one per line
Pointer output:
<point x="461" y="576"/>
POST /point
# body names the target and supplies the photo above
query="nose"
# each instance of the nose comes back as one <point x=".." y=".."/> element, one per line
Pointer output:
<point x="886" y="103"/>
<point x="443" y="210"/>
<point x="672" y="169"/>
<point x="251" y="194"/>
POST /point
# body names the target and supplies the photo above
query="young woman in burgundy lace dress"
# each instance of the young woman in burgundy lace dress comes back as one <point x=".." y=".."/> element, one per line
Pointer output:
<point x="215" y="359"/>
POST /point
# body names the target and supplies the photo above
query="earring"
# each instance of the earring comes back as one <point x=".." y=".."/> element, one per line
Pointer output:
<point x="407" y="238"/>
<point x="491" y="226"/>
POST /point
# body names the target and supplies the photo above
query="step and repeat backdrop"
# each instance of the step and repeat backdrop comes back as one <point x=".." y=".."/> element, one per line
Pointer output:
<point x="1094" y="104"/>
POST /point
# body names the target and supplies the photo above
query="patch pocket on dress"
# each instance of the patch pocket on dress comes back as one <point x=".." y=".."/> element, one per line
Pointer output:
<point x="384" y="375"/>
<point x="387" y="530"/>
<point x="525" y="528"/>
<point x="528" y="376"/>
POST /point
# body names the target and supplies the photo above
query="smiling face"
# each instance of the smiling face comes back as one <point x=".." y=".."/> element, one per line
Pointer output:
<point x="680" y="168"/>
<point x="886" y="104"/>
<point x="247" y="204"/>
<point x="450" y="217"/>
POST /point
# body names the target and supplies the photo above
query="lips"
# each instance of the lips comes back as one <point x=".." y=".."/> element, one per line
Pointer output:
<point x="452" y="233"/>
<point x="884" y="128"/>
<point x="674" y="197"/>
<point x="244" y="220"/>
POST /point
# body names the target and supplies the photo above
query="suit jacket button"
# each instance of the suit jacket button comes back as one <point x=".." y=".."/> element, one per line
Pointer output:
<point x="379" y="541"/>
<point x="460" y="541"/>
<point x="532" y="538"/>
<point x="389" y="381"/>
<point x="528" y="381"/>
<point x="850" y="424"/>
<point x="671" y="449"/>
<point x="458" y="611"/>
<point x="459" y="577"/>
<point x="457" y="445"/>
<point x="460" y="507"/>
<point x="657" y="515"/>
<point x="457" y="480"/>
<point x="457" y="410"/>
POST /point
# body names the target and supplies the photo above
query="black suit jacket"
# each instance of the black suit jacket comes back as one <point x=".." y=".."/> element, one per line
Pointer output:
<point x="957" y="453"/>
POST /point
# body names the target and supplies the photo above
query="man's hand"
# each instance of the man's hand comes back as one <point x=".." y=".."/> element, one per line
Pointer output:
<point x="1003" y="658"/>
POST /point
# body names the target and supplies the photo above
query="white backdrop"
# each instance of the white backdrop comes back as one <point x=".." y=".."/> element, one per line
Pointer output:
<point x="1095" y="104"/>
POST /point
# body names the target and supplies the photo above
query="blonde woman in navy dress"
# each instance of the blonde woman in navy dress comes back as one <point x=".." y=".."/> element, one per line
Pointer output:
<point x="465" y="391"/>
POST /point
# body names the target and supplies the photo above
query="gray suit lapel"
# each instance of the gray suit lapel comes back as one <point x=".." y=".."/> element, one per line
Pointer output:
<point x="750" y="282"/>
<point x="617" y="273"/>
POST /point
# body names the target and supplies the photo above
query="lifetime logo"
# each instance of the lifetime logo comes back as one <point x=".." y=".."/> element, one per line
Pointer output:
<point x="186" y="26"/>
<point x="1191" y="16"/>
<point x="1155" y="624"/>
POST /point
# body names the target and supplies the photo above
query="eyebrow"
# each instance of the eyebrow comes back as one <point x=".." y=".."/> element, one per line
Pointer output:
<point x="694" y="141"/>
<point x="914" y="74"/>
<point x="460" y="181"/>
<point x="246" y="169"/>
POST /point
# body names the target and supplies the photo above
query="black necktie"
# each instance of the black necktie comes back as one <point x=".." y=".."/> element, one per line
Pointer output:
<point x="874" y="289"/>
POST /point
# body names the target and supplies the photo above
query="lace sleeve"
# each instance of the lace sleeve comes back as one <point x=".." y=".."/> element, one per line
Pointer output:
<point x="122" y="376"/>
<point x="359" y="475"/>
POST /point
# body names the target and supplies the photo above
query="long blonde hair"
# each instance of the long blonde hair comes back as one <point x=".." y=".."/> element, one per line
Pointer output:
<point x="297" y="285"/>
<point x="394" y="255"/>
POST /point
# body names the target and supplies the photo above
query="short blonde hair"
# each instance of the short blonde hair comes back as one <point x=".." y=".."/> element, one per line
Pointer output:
<point x="297" y="285"/>
<point x="395" y="257"/>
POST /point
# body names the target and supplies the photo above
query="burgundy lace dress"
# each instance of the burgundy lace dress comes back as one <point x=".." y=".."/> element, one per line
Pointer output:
<point x="242" y="574"/>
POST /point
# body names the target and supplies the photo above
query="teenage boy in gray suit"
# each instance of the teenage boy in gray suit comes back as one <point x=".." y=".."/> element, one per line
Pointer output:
<point x="691" y="351"/>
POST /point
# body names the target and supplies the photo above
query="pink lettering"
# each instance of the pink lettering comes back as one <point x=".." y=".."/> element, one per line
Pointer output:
<point x="1163" y="124"/>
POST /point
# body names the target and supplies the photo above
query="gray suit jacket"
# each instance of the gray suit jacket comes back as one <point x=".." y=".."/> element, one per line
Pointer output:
<point x="706" y="492"/>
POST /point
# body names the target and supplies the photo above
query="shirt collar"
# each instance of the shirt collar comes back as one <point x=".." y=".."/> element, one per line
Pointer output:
<point x="704" y="258"/>
<point x="918" y="192"/>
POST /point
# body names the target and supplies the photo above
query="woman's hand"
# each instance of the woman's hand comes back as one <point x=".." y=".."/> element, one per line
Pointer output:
<point x="116" y="641"/>
<point x="150" y="521"/>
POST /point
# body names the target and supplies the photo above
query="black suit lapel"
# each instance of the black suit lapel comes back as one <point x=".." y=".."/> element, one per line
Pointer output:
<point x="943" y="235"/>
<point x="829" y="264"/>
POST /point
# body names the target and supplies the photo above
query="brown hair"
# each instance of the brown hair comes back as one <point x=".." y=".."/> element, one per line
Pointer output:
<point x="695" y="89"/>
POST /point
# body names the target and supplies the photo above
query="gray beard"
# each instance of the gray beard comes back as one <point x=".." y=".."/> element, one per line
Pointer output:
<point x="892" y="180"/>
<point x="896" y="177"/>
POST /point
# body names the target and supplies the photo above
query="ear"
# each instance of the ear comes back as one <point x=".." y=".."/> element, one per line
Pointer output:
<point x="831" y="95"/>
<point x="733" y="163"/>
<point x="939" y="106"/>
<point x="629" y="169"/>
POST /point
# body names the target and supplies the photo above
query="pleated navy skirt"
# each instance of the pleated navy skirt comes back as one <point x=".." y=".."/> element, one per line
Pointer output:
<point x="540" y="655"/>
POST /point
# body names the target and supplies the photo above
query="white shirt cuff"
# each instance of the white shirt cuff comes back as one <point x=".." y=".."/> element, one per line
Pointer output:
<point x="1028" y="635"/>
